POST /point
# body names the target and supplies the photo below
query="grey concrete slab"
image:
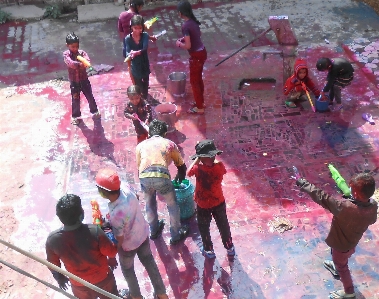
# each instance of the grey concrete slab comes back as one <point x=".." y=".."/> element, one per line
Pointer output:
<point x="28" y="12"/>
<point x="98" y="12"/>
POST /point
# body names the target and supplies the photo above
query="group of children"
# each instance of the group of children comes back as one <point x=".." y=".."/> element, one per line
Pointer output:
<point x="351" y="217"/>
<point x="340" y="74"/>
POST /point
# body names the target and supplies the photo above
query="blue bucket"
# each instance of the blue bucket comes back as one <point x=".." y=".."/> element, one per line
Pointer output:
<point x="322" y="106"/>
<point x="184" y="196"/>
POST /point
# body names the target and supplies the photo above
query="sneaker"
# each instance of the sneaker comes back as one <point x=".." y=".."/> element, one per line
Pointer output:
<point x="340" y="295"/>
<point x="75" y="121"/>
<point x="329" y="265"/>
<point x="96" y="115"/>
<point x="194" y="105"/>
<point x="159" y="231"/>
<point x="337" y="107"/>
<point x="195" y="110"/>
<point x="231" y="251"/>
<point x="183" y="232"/>
<point x="208" y="254"/>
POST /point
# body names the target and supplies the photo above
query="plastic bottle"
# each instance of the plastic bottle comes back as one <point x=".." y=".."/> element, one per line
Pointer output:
<point x="340" y="181"/>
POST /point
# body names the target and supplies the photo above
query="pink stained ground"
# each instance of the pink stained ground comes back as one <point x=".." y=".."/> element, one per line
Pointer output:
<point x="261" y="140"/>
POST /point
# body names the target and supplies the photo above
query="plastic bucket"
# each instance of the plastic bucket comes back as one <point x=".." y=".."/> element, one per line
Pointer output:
<point x="167" y="113"/>
<point x="322" y="106"/>
<point x="176" y="84"/>
<point x="184" y="196"/>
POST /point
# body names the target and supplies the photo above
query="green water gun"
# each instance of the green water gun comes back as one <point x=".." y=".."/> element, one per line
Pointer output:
<point x="340" y="181"/>
<point x="150" y="22"/>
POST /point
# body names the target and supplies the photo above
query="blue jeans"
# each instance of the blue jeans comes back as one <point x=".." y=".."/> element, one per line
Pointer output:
<point x="144" y="254"/>
<point x="150" y="187"/>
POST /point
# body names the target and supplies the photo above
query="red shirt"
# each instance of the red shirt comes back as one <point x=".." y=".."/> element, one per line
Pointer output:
<point x="83" y="251"/>
<point x="208" y="192"/>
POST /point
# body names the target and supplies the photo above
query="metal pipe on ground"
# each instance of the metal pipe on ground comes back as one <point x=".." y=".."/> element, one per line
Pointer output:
<point x="60" y="270"/>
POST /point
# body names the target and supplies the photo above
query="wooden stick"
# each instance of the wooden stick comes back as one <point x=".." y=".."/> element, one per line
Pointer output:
<point x="60" y="270"/>
<point x="243" y="47"/>
<point x="39" y="280"/>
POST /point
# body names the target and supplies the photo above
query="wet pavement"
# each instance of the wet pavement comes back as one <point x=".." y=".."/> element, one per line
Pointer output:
<point x="261" y="140"/>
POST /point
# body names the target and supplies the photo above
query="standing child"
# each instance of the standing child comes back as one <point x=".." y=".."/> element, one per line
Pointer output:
<point x="340" y="74"/>
<point x="209" y="197"/>
<point x="293" y="88"/>
<point x="191" y="41"/>
<point x="351" y="218"/>
<point x="138" y="107"/>
<point x="136" y="44"/>
<point x="78" y="78"/>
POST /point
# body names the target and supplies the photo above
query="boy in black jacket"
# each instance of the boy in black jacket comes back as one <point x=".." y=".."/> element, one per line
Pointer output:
<point x="351" y="218"/>
<point x="340" y="74"/>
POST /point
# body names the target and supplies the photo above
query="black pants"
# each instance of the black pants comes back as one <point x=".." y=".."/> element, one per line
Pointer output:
<point x="85" y="87"/>
<point x="143" y="83"/>
<point x="204" y="218"/>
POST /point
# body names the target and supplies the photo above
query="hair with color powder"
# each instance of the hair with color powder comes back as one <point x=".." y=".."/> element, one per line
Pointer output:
<point x="72" y="38"/>
<point x="133" y="89"/>
<point x="185" y="8"/>
<point x="323" y="64"/>
<point x="69" y="209"/>
<point x="158" y="127"/>
<point x="364" y="184"/>
<point x="135" y="21"/>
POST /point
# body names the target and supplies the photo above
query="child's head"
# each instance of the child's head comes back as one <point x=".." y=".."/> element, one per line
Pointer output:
<point x="323" y="64"/>
<point x="108" y="182"/>
<point x="362" y="186"/>
<point x="137" y="24"/>
<point x="206" y="151"/>
<point x="69" y="209"/>
<point x="301" y="69"/>
<point x="136" y="5"/>
<point x="185" y="9"/>
<point x="134" y="94"/>
<point x="72" y="42"/>
<point x="158" y="127"/>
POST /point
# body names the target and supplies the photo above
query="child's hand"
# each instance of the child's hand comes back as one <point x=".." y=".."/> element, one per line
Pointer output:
<point x="178" y="43"/>
<point x="135" y="116"/>
<point x="133" y="53"/>
<point x="153" y="38"/>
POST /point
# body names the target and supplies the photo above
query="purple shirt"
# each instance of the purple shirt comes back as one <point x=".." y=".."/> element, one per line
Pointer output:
<point x="124" y="22"/>
<point x="76" y="70"/>
<point x="192" y="29"/>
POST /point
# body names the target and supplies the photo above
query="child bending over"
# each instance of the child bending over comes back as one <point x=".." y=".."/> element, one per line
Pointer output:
<point x="297" y="84"/>
<point x="209" y="197"/>
<point x="136" y="109"/>
<point x="340" y="74"/>
<point x="351" y="218"/>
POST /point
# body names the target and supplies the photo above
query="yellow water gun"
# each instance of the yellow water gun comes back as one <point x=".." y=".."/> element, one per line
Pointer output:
<point x="150" y="22"/>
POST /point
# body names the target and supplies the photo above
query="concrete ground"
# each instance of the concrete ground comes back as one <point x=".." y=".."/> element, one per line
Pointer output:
<point x="43" y="156"/>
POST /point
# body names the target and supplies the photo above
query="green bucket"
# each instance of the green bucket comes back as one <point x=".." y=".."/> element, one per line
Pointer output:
<point x="184" y="197"/>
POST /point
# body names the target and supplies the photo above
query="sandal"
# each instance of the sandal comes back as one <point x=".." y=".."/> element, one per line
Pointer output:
<point x="195" y="110"/>
<point x="290" y="104"/>
<point x="340" y="295"/>
<point x="329" y="265"/>
<point x="183" y="232"/>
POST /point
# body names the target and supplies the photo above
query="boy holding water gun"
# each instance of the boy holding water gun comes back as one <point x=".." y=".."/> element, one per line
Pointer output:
<point x="351" y="218"/>
<point x="139" y="112"/>
<point x="78" y="78"/>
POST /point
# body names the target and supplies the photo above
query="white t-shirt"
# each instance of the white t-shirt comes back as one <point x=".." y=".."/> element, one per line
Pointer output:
<point x="127" y="220"/>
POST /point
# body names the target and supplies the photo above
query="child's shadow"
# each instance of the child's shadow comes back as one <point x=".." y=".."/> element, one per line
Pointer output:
<point x="178" y="280"/>
<point x="97" y="141"/>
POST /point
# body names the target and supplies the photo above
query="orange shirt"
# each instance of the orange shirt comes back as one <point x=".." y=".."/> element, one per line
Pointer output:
<point x="208" y="192"/>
